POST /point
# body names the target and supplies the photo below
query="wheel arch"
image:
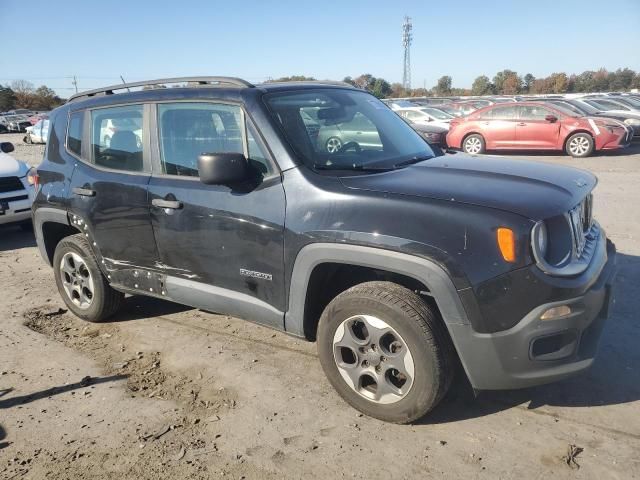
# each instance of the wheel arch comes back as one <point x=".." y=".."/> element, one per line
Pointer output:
<point x="574" y="132"/>
<point x="51" y="225"/>
<point x="468" y="134"/>
<point x="408" y="270"/>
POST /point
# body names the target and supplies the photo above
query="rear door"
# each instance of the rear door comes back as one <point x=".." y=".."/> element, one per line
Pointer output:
<point x="534" y="131"/>
<point x="109" y="185"/>
<point x="498" y="127"/>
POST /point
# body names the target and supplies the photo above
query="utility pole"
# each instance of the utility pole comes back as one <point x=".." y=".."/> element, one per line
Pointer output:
<point x="75" y="83"/>
<point x="407" y="38"/>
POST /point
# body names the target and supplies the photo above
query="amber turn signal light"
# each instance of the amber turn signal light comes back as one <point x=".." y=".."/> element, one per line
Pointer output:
<point x="507" y="244"/>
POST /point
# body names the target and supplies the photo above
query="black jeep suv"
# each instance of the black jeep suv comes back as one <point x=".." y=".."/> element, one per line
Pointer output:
<point x="221" y="195"/>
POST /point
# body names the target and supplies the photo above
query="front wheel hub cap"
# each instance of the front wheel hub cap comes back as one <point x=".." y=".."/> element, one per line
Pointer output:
<point x="373" y="359"/>
<point x="77" y="280"/>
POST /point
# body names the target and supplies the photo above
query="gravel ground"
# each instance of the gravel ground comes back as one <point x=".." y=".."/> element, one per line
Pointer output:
<point x="174" y="392"/>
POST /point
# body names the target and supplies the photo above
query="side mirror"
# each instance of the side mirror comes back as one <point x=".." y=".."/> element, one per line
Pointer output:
<point x="551" y="118"/>
<point x="7" y="147"/>
<point x="222" y="168"/>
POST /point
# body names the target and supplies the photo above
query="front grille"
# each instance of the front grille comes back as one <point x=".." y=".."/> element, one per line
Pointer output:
<point x="10" y="184"/>
<point x="581" y="220"/>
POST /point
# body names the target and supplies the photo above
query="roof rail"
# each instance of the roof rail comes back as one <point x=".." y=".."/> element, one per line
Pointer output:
<point x="319" y="82"/>
<point x="238" y="82"/>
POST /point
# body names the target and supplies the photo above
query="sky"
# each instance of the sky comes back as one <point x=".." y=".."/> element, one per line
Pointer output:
<point x="48" y="42"/>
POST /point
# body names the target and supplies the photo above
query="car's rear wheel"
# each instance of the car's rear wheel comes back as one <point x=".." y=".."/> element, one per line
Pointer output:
<point x="473" y="144"/>
<point x="385" y="351"/>
<point x="81" y="283"/>
<point x="333" y="145"/>
<point x="580" y="145"/>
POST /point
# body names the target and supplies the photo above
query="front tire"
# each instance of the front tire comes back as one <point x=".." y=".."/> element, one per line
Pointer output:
<point x="333" y="145"/>
<point x="580" y="145"/>
<point x="474" y="144"/>
<point x="81" y="283"/>
<point x="385" y="351"/>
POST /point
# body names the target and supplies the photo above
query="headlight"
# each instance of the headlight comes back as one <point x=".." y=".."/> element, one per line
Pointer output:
<point x="632" y="121"/>
<point x="539" y="240"/>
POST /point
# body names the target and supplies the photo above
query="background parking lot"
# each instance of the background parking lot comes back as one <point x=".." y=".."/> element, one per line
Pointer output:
<point x="175" y="392"/>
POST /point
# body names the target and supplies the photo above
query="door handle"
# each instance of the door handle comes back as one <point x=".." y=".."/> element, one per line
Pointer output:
<point x="83" y="192"/>
<point x="160" y="203"/>
<point x="522" y="124"/>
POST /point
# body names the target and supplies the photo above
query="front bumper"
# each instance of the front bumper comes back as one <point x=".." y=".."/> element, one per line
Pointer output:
<point x="15" y="206"/>
<point x="536" y="351"/>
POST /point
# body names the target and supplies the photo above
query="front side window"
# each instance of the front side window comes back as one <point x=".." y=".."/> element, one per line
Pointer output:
<point x="74" y="134"/>
<point x="116" y="137"/>
<point x="188" y="130"/>
<point x="336" y="129"/>
<point x="500" y="113"/>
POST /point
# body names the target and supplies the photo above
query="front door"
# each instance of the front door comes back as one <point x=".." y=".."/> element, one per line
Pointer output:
<point x="109" y="186"/>
<point x="534" y="131"/>
<point x="223" y="245"/>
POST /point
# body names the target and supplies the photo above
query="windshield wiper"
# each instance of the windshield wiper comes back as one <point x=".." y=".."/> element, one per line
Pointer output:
<point x="411" y="161"/>
<point x="351" y="168"/>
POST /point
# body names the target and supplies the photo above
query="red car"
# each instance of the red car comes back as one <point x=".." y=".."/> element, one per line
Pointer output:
<point x="535" y="126"/>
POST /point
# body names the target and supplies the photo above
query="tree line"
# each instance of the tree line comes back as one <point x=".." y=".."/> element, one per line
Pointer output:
<point x="23" y="94"/>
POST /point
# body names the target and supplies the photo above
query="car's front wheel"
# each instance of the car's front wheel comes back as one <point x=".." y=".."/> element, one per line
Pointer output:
<point x="385" y="351"/>
<point x="333" y="145"/>
<point x="473" y="144"/>
<point x="81" y="283"/>
<point x="580" y="145"/>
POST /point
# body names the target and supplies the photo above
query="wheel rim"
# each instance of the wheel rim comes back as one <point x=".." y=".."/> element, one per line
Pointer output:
<point x="473" y="145"/>
<point x="579" y="145"/>
<point x="333" y="145"/>
<point x="373" y="359"/>
<point x="76" y="280"/>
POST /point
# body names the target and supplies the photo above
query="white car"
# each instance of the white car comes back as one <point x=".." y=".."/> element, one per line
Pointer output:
<point x="38" y="133"/>
<point x="110" y="126"/>
<point x="426" y="116"/>
<point x="16" y="188"/>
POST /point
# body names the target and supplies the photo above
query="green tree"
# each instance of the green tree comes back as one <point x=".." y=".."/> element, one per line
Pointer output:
<point x="443" y="87"/>
<point x="7" y="98"/>
<point x="293" y="78"/>
<point x="381" y="88"/>
<point x="528" y="82"/>
<point x="481" y="86"/>
<point x="559" y="82"/>
<point x="500" y="77"/>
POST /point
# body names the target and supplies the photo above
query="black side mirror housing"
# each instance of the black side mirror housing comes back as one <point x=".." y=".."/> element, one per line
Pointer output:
<point x="551" y="118"/>
<point x="222" y="168"/>
<point x="7" y="147"/>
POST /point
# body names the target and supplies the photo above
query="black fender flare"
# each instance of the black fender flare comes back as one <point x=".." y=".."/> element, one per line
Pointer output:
<point x="44" y="215"/>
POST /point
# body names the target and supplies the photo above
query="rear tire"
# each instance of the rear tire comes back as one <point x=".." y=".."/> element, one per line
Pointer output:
<point x="579" y="145"/>
<point x="403" y="332"/>
<point x="474" y="144"/>
<point x="81" y="283"/>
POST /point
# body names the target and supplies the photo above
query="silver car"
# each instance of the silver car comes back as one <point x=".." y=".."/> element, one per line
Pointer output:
<point x="333" y="137"/>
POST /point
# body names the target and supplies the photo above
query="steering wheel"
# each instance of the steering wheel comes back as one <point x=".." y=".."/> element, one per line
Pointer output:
<point x="348" y="145"/>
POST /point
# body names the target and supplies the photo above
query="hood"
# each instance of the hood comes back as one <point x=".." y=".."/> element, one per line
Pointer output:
<point x="10" y="167"/>
<point x="533" y="190"/>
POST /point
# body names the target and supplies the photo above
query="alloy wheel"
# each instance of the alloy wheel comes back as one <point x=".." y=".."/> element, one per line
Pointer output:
<point x="579" y="145"/>
<point x="334" y="145"/>
<point x="77" y="280"/>
<point x="472" y="145"/>
<point x="373" y="359"/>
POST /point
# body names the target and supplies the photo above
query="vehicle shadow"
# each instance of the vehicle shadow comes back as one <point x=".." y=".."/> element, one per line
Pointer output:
<point x="613" y="379"/>
<point x="3" y="435"/>
<point x="632" y="149"/>
<point x="49" y="392"/>
<point x="12" y="237"/>
<point x="138" y="307"/>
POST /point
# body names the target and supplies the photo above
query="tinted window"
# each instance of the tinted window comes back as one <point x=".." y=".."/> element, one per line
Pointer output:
<point x="533" y="112"/>
<point x="74" y="134"/>
<point x="506" y="112"/>
<point x="257" y="154"/>
<point x="116" y="137"/>
<point x="189" y="129"/>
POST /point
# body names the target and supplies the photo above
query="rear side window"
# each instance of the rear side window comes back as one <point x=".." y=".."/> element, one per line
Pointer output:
<point x="116" y="137"/>
<point x="187" y="130"/>
<point x="74" y="134"/>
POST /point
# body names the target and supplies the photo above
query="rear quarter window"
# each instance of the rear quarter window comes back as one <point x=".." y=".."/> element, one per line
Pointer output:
<point x="74" y="133"/>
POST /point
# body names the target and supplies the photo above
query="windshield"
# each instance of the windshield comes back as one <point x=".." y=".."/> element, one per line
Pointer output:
<point x="334" y="129"/>
<point x="435" y="113"/>
<point x="585" y="107"/>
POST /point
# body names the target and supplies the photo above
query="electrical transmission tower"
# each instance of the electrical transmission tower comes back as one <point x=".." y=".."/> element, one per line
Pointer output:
<point x="407" y="38"/>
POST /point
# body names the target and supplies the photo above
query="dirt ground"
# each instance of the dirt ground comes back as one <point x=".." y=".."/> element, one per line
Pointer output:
<point x="167" y="392"/>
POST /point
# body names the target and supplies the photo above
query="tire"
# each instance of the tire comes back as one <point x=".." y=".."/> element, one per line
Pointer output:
<point x="27" y="226"/>
<point x="474" y="144"/>
<point x="579" y="145"/>
<point x="410" y="329"/>
<point x="27" y="139"/>
<point x="103" y="300"/>
<point x="333" y="144"/>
